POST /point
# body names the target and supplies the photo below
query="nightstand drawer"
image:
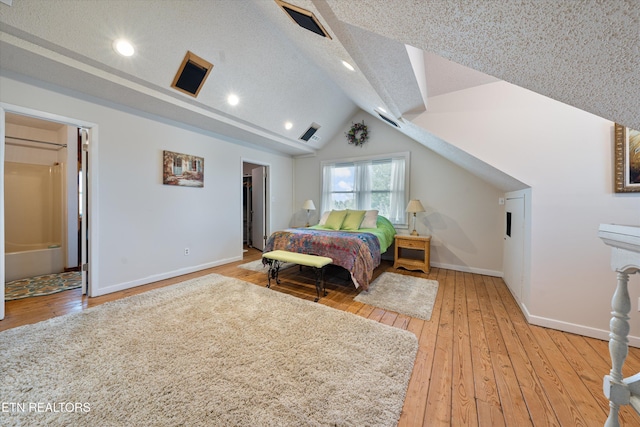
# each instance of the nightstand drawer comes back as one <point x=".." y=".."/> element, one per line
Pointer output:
<point x="406" y="243"/>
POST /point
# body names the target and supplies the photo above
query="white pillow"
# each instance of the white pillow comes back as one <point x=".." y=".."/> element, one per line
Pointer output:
<point x="323" y="218"/>
<point x="370" y="219"/>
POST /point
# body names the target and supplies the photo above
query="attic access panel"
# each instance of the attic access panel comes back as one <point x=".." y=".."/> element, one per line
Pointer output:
<point x="192" y="74"/>
<point x="304" y="18"/>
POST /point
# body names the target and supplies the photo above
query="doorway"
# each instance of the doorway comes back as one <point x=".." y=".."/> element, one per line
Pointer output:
<point x="41" y="152"/>
<point x="255" y="184"/>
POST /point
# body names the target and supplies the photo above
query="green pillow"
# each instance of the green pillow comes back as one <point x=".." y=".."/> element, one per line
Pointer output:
<point x="335" y="220"/>
<point x="353" y="220"/>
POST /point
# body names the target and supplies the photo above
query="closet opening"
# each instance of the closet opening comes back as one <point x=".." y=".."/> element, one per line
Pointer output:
<point x="255" y="212"/>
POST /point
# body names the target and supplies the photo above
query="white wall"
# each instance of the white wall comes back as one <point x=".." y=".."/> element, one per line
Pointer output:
<point x="462" y="212"/>
<point x="566" y="156"/>
<point x="143" y="226"/>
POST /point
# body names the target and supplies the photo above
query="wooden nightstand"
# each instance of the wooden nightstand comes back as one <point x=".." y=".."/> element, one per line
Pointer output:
<point x="416" y="243"/>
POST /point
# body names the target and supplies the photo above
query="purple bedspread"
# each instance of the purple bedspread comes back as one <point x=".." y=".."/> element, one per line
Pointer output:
<point x="358" y="253"/>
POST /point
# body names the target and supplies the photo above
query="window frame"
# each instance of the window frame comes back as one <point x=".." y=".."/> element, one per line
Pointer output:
<point x="406" y="155"/>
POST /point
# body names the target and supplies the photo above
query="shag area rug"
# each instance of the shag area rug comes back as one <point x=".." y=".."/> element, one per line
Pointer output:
<point x="212" y="351"/>
<point x="410" y="295"/>
<point x="42" y="285"/>
<point x="258" y="266"/>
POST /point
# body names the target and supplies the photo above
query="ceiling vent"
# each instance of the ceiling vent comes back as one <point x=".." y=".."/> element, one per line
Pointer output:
<point x="388" y="120"/>
<point x="310" y="132"/>
<point x="304" y="18"/>
<point x="191" y="75"/>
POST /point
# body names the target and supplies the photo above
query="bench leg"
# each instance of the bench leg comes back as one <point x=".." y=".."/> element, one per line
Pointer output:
<point x="319" y="281"/>
<point x="274" y="269"/>
<point x="324" y="289"/>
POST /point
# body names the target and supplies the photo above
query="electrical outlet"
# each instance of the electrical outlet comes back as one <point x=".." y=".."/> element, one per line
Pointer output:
<point x="186" y="251"/>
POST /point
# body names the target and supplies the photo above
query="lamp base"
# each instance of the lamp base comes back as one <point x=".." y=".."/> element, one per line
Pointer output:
<point x="414" y="232"/>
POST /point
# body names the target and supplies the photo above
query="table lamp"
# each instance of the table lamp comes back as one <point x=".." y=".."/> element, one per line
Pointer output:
<point x="309" y="206"/>
<point x="414" y="207"/>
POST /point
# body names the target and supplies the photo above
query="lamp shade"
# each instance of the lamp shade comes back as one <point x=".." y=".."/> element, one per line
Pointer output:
<point x="308" y="205"/>
<point x="414" y="206"/>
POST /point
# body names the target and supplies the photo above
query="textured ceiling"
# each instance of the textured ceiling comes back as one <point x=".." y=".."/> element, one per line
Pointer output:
<point x="583" y="53"/>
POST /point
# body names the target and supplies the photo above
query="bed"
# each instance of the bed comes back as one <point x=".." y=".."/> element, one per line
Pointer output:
<point x="356" y="248"/>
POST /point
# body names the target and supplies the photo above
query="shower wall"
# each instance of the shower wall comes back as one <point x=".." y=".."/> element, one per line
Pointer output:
<point x="33" y="206"/>
<point x="40" y="200"/>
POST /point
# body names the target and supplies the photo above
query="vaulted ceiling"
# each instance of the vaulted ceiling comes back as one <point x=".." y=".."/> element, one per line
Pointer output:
<point x="585" y="54"/>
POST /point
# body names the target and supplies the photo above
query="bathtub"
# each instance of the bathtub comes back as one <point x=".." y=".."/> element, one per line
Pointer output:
<point x="35" y="260"/>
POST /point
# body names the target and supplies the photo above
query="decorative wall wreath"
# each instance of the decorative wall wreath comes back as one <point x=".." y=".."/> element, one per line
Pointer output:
<point x="358" y="134"/>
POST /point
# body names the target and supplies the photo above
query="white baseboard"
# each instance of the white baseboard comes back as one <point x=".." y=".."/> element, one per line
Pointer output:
<point x="157" y="277"/>
<point x="573" y="328"/>
<point x="467" y="269"/>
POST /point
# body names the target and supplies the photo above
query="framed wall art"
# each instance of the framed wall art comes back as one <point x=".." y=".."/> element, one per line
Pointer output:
<point x="627" y="159"/>
<point x="182" y="169"/>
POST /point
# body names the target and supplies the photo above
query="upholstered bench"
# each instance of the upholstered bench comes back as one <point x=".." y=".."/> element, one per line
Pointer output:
<point x="276" y="258"/>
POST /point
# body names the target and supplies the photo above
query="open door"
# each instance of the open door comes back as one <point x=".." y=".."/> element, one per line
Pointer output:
<point x="2" y="266"/>
<point x="258" y="204"/>
<point x="84" y="212"/>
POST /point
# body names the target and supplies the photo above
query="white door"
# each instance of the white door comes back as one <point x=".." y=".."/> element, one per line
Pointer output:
<point x="84" y="188"/>
<point x="513" y="260"/>
<point x="258" y="205"/>
<point x="2" y="266"/>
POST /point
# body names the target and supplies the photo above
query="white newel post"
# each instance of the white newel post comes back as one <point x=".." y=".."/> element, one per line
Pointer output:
<point x="625" y="260"/>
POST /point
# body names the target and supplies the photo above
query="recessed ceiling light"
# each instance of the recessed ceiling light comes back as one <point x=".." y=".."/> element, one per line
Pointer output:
<point x="348" y="66"/>
<point x="233" y="99"/>
<point x="288" y="125"/>
<point x="123" y="47"/>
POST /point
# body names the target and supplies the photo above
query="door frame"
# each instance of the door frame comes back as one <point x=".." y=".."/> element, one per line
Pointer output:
<point x="267" y="197"/>
<point x="523" y="298"/>
<point x="514" y="232"/>
<point x="92" y="183"/>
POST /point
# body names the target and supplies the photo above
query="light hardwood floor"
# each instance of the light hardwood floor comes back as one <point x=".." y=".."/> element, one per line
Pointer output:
<point x="479" y="362"/>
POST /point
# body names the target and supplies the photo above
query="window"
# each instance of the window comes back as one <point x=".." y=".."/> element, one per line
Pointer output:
<point x="372" y="183"/>
<point x="177" y="166"/>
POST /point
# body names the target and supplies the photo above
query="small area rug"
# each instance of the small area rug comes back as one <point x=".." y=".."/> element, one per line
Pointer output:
<point x="258" y="266"/>
<point x="410" y="295"/>
<point x="42" y="285"/>
<point x="211" y="351"/>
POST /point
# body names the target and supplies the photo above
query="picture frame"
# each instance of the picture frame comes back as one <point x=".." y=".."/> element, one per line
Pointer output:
<point x="627" y="159"/>
<point x="183" y="170"/>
